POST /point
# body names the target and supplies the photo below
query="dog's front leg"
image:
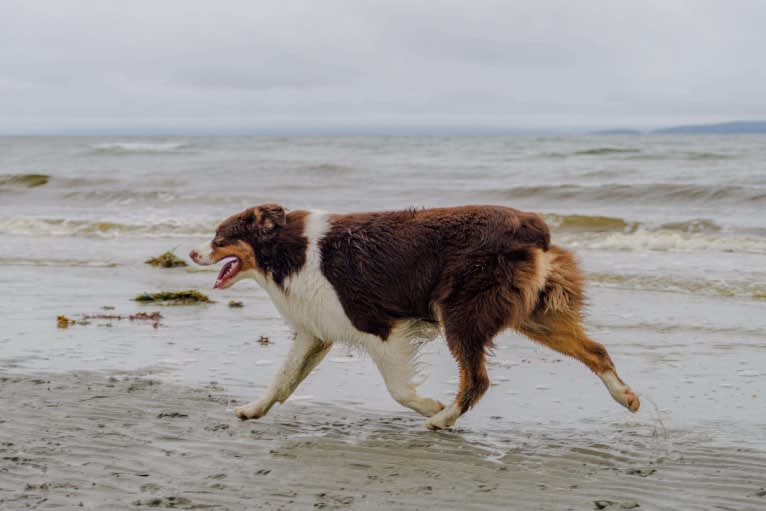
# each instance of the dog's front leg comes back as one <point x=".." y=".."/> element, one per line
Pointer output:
<point x="395" y="358"/>
<point x="304" y="355"/>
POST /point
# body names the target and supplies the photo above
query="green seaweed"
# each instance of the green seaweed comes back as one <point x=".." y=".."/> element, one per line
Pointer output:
<point x="189" y="297"/>
<point x="166" y="260"/>
<point x="28" y="180"/>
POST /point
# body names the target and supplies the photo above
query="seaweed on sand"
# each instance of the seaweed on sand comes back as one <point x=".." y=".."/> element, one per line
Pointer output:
<point x="166" y="260"/>
<point x="85" y="319"/>
<point x="188" y="297"/>
<point x="64" y="322"/>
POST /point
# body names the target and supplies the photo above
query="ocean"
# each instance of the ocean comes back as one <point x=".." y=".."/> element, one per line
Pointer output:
<point x="670" y="229"/>
<point x="665" y="213"/>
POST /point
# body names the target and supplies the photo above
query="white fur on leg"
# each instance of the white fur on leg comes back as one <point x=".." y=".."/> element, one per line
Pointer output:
<point x="619" y="391"/>
<point x="444" y="419"/>
<point x="395" y="358"/>
<point x="254" y="410"/>
<point x="304" y="355"/>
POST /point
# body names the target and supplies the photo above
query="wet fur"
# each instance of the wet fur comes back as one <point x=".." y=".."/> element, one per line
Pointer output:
<point x="470" y="271"/>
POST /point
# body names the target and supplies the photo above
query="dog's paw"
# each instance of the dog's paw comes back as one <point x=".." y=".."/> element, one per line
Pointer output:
<point x="444" y="419"/>
<point x="620" y="392"/>
<point x="631" y="401"/>
<point x="435" y="423"/>
<point x="250" y="411"/>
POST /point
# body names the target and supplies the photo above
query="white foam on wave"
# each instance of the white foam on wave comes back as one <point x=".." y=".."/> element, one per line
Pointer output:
<point x="664" y="240"/>
<point x="139" y="147"/>
<point x="744" y="287"/>
<point x="105" y="229"/>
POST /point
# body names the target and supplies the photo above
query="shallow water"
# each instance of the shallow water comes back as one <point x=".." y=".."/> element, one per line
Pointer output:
<point x="670" y="229"/>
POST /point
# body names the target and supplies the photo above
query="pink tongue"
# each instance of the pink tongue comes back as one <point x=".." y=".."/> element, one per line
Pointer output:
<point x="228" y="263"/>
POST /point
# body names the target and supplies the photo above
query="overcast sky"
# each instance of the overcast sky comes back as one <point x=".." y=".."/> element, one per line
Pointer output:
<point x="252" y="65"/>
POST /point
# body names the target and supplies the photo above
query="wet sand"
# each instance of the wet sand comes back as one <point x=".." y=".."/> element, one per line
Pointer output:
<point x="128" y="440"/>
<point x="79" y="423"/>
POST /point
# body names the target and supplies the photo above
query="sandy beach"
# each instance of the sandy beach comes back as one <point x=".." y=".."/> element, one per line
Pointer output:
<point x="128" y="441"/>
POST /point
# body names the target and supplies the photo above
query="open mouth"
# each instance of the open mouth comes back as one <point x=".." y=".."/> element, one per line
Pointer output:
<point x="229" y="270"/>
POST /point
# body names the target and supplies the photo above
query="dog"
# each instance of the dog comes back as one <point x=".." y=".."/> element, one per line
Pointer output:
<point x="387" y="281"/>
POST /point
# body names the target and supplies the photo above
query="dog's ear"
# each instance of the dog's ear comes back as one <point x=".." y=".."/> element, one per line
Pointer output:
<point x="269" y="217"/>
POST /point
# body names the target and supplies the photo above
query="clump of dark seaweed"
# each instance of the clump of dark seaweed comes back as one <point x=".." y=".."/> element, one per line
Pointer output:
<point x="166" y="260"/>
<point x="236" y="304"/>
<point x="188" y="297"/>
<point x="85" y="319"/>
<point x="64" y="322"/>
<point x="27" y="180"/>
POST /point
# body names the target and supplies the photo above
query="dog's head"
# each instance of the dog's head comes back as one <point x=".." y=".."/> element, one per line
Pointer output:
<point x="238" y="239"/>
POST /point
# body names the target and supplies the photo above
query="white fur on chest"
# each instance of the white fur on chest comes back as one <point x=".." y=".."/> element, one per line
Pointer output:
<point x="309" y="302"/>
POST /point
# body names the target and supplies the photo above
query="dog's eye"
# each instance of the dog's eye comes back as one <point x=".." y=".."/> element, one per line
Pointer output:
<point x="218" y="241"/>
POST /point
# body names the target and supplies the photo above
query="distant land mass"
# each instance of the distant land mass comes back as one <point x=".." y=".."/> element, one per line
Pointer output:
<point x="723" y="128"/>
<point x="735" y="127"/>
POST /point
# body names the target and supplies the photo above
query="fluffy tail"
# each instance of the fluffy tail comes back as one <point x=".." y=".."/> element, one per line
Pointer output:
<point x="562" y="286"/>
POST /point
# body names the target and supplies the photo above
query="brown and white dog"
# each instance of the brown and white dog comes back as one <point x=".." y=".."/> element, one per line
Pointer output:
<point x="386" y="281"/>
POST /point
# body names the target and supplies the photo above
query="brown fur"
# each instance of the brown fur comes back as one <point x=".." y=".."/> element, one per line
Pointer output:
<point x="556" y="320"/>
<point x="396" y="265"/>
<point x="476" y="270"/>
<point x="475" y="267"/>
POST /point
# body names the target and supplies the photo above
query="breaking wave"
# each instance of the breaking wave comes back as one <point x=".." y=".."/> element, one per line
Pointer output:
<point x="130" y="196"/>
<point x="649" y="192"/>
<point x="592" y="232"/>
<point x="587" y="223"/>
<point x="86" y="228"/>
<point x="728" y="288"/>
<point x="23" y="180"/>
<point x="595" y="223"/>
<point x="604" y="232"/>
<point x="118" y="148"/>
<point x="663" y="240"/>
<point x="64" y="263"/>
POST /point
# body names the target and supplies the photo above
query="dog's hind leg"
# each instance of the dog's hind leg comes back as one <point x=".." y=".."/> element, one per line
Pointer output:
<point x="304" y="355"/>
<point x="494" y="292"/>
<point x="556" y="323"/>
<point x="395" y="358"/>
<point x="469" y="352"/>
<point x="567" y="336"/>
<point x="469" y="330"/>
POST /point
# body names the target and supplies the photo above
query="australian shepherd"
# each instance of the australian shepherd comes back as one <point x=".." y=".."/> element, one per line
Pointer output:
<point x="387" y="281"/>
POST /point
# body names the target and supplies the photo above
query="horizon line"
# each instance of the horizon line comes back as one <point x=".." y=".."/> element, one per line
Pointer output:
<point x="383" y="129"/>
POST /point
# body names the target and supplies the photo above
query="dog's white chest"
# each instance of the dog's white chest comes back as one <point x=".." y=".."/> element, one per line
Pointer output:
<point x="308" y="301"/>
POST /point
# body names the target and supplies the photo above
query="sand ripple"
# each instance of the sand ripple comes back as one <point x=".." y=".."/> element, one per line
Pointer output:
<point x="128" y="441"/>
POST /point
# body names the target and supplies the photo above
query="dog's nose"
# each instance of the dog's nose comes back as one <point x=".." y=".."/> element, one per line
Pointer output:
<point x="194" y="255"/>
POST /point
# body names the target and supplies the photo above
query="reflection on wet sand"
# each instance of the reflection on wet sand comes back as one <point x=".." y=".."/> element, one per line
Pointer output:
<point x="128" y="440"/>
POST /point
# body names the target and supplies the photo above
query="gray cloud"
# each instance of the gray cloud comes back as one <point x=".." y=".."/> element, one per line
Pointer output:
<point x="247" y="64"/>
